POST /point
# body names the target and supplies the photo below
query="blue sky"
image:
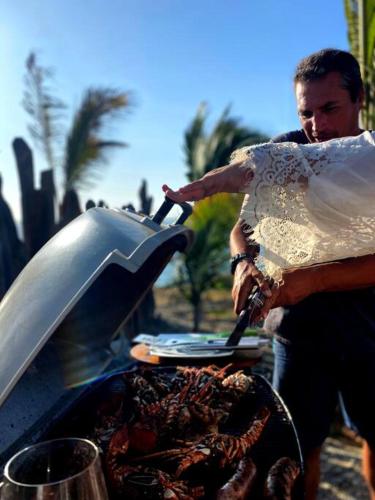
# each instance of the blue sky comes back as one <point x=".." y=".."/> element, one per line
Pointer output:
<point x="172" y="54"/>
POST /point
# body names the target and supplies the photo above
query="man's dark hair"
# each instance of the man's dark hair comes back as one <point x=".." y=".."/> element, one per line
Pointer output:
<point x="319" y="64"/>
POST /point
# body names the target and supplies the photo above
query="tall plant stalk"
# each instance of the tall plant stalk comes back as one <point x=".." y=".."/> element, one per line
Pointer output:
<point x="360" y="15"/>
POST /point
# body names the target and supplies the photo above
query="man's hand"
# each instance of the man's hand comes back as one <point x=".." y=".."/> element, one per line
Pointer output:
<point x="245" y="277"/>
<point x="229" y="179"/>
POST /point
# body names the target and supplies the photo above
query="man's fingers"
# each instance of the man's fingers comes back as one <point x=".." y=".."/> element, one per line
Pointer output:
<point x="265" y="288"/>
<point x="241" y="293"/>
<point x="266" y="308"/>
<point x="263" y="283"/>
<point x="270" y="301"/>
<point x="173" y="195"/>
<point x="241" y="298"/>
<point x="246" y="275"/>
<point x="192" y="192"/>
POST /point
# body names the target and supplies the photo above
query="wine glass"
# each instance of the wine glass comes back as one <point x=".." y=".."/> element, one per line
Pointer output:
<point x="61" y="469"/>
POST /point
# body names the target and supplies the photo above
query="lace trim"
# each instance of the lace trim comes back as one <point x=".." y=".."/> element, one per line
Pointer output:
<point x="292" y="228"/>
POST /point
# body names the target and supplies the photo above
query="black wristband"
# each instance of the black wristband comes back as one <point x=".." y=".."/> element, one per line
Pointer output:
<point x="237" y="258"/>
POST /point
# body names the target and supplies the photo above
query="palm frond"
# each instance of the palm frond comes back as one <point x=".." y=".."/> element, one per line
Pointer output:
<point x="85" y="150"/>
<point x="203" y="151"/>
<point x="194" y="143"/>
<point x="211" y="221"/>
<point x="44" y="109"/>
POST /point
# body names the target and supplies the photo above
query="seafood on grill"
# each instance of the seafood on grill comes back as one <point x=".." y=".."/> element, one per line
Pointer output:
<point x="122" y="474"/>
<point x="147" y="387"/>
<point x="139" y="481"/>
<point x="198" y="401"/>
<point x="221" y="448"/>
<point x="182" y="436"/>
<point x="224" y="449"/>
<point x="240" y="484"/>
<point x="280" y="479"/>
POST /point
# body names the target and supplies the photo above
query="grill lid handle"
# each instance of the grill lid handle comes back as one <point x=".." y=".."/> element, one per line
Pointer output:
<point x="166" y="207"/>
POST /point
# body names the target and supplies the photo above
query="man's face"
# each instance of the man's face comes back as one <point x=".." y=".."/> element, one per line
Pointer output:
<point x="325" y="109"/>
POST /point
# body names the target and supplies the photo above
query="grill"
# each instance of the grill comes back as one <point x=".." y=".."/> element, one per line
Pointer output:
<point x="60" y="325"/>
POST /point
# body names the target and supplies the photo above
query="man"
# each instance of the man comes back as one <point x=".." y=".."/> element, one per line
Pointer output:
<point x="325" y="342"/>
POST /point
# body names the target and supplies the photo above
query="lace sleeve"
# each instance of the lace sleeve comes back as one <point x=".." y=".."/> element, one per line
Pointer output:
<point x="299" y="200"/>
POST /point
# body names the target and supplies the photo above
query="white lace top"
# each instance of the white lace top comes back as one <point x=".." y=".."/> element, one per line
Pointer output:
<point x="313" y="203"/>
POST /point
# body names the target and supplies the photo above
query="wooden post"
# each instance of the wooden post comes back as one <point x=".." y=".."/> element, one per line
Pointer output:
<point x="12" y="252"/>
<point x="38" y="214"/>
<point x="89" y="204"/>
<point x="47" y="221"/>
<point x="146" y="201"/>
<point x="70" y="207"/>
<point x="24" y="160"/>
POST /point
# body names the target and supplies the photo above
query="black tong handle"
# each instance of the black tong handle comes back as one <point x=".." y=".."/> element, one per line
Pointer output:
<point x="166" y="207"/>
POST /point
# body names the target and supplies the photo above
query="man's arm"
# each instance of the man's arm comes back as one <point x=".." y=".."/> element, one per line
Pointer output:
<point x="246" y="274"/>
<point x="238" y="242"/>
<point x="231" y="178"/>
<point x="348" y="274"/>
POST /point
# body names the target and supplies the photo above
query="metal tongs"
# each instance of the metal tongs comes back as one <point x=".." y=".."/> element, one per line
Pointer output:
<point x="247" y="316"/>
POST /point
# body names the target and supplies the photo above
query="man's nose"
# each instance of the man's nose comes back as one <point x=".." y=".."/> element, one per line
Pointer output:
<point x="319" y="122"/>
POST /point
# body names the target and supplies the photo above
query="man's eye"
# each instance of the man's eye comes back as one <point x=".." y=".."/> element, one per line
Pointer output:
<point x="305" y="114"/>
<point x="330" y="109"/>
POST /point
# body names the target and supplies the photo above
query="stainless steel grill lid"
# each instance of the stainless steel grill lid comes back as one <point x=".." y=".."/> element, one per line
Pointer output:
<point x="80" y="287"/>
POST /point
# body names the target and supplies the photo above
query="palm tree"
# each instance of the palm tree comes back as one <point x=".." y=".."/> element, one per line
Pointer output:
<point x="214" y="217"/>
<point x="202" y="267"/>
<point x="85" y="149"/>
<point x="43" y="108"/>
<point x="203" y="151"/>
<point x="360" y="15"/>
